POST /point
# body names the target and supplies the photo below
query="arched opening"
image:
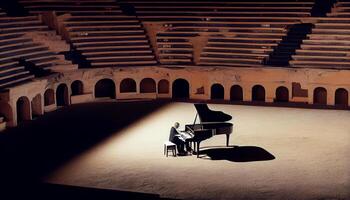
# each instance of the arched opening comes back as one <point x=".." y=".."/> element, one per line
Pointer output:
<point x="341" y="97"/>
<point x="77" y="88"/>
<point x="36" y="106"/>
<point x="6" y="112"/>
<point x="147" y="85"/>
<point x="49" y="97"/>
<point x="23" y="109"/>
<point x="320" y="96"/>
<point x="127" y="85"/>
<point x="105" y="88"/>
<point x="180" y="89"/>
<point x="236" y="93"/>
<point x="258" y="93"/>
<point x="282" y="94"/>
<point x="163" y="86"/>
<point x="62" y="97"/>
<point x="217" y="91"/>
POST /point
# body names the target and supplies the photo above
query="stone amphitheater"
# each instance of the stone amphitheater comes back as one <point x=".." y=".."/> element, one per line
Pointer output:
<point x="57" y="53"/>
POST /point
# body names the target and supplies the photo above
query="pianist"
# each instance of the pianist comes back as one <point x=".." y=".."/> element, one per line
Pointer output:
<point x="176" y="138"/>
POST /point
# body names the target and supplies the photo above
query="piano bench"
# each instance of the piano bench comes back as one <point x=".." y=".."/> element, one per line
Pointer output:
<point x="169" y="146"/>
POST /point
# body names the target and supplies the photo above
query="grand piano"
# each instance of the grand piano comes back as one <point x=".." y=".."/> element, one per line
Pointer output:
<point x="211" y="123"/>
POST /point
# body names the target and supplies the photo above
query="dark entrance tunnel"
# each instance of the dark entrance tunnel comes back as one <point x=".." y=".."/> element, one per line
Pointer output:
<point x="258" y="93"/>
<point x="105" y="88"/>
<point x="181" y="89"/>
<point x="62" y="97"/>
<point x="217" y="91"/>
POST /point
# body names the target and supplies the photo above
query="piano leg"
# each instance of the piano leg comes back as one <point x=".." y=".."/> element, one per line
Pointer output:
<point x="227" y="139"/>
<point x="198" y="149"/>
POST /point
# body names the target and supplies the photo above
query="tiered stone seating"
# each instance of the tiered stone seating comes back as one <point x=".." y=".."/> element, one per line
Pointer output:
<point x="11" y="25"/>
<point x="247" y="45"/>
<point x="341" y="9"/>
<point x="233" y="51"/>
<point x="101" y="32"/>
<point x="16" y="46"/>
<point x="239" y="33"/>
<point x="110" y="40"/>
<point x="174" y="48"/>
<point x="151" y="10"/>
<point x="328" y="45"/>
<point x="77" y="7"/>
<point x="13" y="47"/>
<point x="287" y="47"/>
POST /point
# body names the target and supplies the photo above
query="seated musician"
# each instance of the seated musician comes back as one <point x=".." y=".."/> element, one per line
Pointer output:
<point x="176" y="138"/>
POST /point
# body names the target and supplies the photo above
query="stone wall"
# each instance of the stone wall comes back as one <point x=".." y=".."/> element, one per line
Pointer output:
<point x="200" y="80"/>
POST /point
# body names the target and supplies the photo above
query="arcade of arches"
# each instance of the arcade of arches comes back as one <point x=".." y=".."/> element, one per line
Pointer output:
<point x="25" y="108"/>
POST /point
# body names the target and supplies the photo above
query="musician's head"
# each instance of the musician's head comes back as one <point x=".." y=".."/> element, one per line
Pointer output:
<point x="177" y="125"/>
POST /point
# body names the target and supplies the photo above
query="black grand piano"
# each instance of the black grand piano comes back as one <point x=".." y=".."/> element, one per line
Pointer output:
<point x="211" y="123"/>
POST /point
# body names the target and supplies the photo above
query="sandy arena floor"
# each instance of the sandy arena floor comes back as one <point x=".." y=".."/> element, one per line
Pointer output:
<point x="311" y="150"/>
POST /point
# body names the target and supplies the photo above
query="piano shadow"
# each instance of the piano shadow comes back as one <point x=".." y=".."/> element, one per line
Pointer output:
<point x="236" y="153"/>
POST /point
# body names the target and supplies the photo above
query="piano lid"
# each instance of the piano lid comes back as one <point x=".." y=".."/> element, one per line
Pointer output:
<point x="207" y="115"/>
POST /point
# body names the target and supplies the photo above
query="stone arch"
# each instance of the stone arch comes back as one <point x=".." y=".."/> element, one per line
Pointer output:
<point x="217" y="91"/>
<point x="163" y="86"/>
<point x="6" y="112"/>
<point x="37" y="106"/>
<point x="77" y="87"/>
<point x="320" y="96"/>
<point x="341" y="97"/>
<point x="258" y="93"/>
<point x="282" y="94"/>
<point x="62" y="97"/>
<point x="49" y="97"/>
<point x="127" y="85"/>
<point x="236" y="93"/>
<point x="23" y="109"/>
<point x="180" y="89"/>
<point x="105" y="88"/>
<point x="148" y="85"/>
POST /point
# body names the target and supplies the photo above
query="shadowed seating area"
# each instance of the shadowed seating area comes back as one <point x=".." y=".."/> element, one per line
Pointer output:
<point x="23" y="56"/>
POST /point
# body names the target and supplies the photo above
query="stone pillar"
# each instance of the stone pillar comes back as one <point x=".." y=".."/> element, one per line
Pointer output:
<point x="269" y="93"/>
<point x="227" y="94"/>
<point x="247" y="93"/>
<point x="311" y="95"/>
<point x="330" y="96"/>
